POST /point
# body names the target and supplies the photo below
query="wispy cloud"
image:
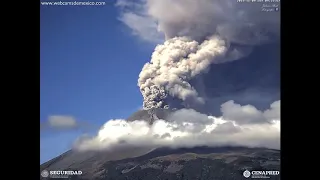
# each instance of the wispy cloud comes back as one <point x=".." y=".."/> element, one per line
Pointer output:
<point x="63" y="122"/>
<point x="139" y="22"/>
<point x="238" y="125"/>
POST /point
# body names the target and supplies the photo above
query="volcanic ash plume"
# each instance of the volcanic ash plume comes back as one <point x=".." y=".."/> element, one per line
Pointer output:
<point x="171" y="67"/>
<point x="198" y="34"/>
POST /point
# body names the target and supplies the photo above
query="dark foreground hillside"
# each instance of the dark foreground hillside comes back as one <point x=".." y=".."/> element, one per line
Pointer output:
<point x="200" y="163"/>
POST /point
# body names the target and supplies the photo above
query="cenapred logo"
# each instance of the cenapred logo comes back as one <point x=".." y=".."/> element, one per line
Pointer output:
<point x="260" y="174"/>
<point x="246" y="173"/>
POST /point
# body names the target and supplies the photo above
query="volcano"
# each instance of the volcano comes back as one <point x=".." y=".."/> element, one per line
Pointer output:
<point x="141" y="163"/>
<point x="151" y="115"/>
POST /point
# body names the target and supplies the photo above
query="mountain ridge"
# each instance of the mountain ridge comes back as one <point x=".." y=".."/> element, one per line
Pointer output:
<point x="165" y="163"/>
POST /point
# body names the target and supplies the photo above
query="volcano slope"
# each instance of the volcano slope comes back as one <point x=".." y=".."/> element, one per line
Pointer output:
<point x="166" y="164"/>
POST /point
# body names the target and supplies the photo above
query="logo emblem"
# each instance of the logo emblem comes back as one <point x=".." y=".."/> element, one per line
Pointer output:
<point x="246" y="173"/>
<point x="44" y="173"/>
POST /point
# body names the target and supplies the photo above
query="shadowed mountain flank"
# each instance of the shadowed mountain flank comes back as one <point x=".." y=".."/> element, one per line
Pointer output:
<point x="169" y="164"/>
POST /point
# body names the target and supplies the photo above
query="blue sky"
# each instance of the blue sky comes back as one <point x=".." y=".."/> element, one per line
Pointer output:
<point x="89" y="65"/>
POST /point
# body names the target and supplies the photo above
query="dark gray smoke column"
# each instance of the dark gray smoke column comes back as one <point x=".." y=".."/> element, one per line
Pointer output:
<point x="198" y="34"/>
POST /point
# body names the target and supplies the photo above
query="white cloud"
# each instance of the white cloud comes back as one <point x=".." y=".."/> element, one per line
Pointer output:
<point x="141" y="24"/>
<point x="273" y="112"/>
<point x="250" y="114"/>
<point x="188" y="128"/>
<point x="62" y="121"/>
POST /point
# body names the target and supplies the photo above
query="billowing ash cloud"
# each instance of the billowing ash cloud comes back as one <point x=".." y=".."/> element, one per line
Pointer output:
<point x="238" y="126"/>
<point x="197" y="34"/>
<point x="173" y="64"/>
